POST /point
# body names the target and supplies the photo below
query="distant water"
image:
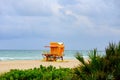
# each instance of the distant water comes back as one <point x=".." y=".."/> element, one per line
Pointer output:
<point x="37" y="54"/>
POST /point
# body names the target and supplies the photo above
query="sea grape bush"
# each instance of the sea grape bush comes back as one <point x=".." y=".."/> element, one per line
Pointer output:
<point x="41" y="73"/>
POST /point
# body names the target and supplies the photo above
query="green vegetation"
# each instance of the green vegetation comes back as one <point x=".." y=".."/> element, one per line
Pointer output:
<point x="42" y="73"/>
<point x="105" y="67"/>
<point x="100" y="67"/>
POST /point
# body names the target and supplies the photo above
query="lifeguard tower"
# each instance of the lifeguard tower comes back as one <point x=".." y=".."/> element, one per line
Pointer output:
<point x="56" y="51"/>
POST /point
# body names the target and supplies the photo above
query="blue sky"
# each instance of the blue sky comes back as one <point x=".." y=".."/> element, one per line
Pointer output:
<point x="80" y="24"/>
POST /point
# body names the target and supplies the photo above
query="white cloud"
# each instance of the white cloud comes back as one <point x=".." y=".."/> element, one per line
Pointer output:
<point x="68" y="12"/>
<point x="59" y="19"/>
<point x="94" y="17"/>
<point x="83" y="14"/>
<point x="30" y="7"/>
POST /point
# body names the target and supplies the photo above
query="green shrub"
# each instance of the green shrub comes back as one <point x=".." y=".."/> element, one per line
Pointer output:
<point x="42" y="73"/>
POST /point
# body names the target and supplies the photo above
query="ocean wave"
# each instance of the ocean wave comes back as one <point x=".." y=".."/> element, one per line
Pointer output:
<point x="6" y="58"/>
<point x="18" y="58"/>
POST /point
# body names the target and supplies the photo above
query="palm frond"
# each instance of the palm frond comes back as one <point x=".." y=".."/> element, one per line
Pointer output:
<point x="80" y="58"/>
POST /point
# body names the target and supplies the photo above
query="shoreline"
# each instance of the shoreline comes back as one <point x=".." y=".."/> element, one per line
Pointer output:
<point x="6" y="66"/>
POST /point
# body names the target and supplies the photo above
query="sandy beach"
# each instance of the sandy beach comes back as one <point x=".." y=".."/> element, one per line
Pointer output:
<point x="5" y="66"/>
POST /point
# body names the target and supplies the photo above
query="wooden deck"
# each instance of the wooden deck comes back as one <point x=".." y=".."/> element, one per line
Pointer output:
<point x="52" y="57"/>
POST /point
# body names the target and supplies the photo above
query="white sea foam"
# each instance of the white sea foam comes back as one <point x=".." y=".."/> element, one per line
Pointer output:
<point x="35" y="54"/>
<point x="6" y="58"/>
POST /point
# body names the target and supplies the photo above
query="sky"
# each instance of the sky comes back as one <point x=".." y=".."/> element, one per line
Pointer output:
<point x="80" y="24"/>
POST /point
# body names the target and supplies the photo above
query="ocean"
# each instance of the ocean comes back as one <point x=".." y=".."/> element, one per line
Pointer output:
<point x="37" y="54"/>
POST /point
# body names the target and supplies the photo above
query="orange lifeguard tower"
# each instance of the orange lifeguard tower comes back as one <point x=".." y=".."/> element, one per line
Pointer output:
<point x="56" y="51"/>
